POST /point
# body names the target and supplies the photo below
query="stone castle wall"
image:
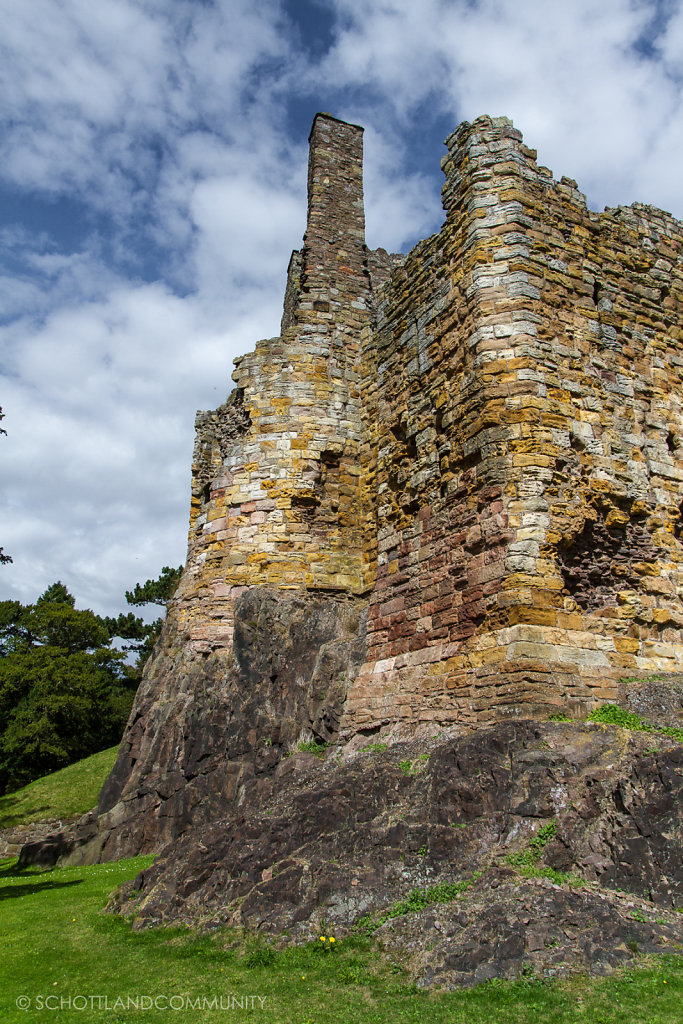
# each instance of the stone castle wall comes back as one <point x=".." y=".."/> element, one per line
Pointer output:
<point x="483" y="439"/>
<point x="530" y="455"/>
<point x="451" y="491"/>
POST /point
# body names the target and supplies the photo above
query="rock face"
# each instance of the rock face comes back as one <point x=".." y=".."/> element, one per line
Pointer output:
<point x="336" y="842"/>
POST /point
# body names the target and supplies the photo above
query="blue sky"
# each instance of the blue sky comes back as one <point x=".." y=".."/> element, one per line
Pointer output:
<point x="153" y="185"/>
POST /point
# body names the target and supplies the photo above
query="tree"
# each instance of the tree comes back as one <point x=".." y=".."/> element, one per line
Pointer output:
<point x="158" y="591"/>
<point x="4" y="559"/>
<point x="65" y="691"/>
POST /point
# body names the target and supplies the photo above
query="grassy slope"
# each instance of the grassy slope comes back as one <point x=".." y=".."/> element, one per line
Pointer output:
<point x="64" y="794"/>
<point x="55" y="941"/>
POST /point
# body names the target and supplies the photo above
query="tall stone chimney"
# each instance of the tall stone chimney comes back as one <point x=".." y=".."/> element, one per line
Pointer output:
<point x="334" y="243"/>
<point x="330" y="272"/>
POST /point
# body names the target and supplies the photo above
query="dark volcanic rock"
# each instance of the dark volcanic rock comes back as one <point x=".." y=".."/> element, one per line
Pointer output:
<point x="207" y="733"/>
<point x="337" y="840"/>
<point x="503" y="927"/>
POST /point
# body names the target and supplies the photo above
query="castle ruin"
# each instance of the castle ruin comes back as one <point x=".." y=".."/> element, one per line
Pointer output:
<point x="484" y="439"/>
<point x="465" y="464"/>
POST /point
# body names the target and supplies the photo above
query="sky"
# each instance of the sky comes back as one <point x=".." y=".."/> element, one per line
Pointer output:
<point x="152" y="187"/>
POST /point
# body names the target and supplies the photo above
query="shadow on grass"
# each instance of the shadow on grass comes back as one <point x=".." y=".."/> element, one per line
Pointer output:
<point x="11" y="869"/>
<point x="13" y="810"/>
<point x="8" y="892"/>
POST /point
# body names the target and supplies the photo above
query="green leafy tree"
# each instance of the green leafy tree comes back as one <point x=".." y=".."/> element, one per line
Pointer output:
<point x="158" y="591"/>
<point x="65" y="692"/>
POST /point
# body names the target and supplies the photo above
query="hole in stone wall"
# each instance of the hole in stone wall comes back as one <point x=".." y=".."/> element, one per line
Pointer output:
<point x="598" y="563"/>
<point x="330" y="459"/>
<point x="678" y="526"/>
<point x="596" y="291"/>
<point x="405" y="439"/>
<point x="235" y="423"/>
<point x="305" y="500"/>
<point x="468" y="461"/>
<point x="306" y="506"/>
<point x="671" y="441"/>
<point x="206" y="493"/>
<point x="411" y="507"/>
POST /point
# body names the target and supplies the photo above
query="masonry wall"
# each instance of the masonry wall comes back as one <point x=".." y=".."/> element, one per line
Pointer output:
<point x="484" y="439"/>
<point x="529" y="450"/>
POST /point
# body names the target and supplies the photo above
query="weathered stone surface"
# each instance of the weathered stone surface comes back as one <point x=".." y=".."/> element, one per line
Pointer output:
<point x="504" y="927"/>
<point x="480" y="438"/>
<point x="336" y="841"/>
<point x="14" y="837"/>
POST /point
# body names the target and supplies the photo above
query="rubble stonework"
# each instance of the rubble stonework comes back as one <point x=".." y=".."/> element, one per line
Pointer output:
<point x="449" y="493"/>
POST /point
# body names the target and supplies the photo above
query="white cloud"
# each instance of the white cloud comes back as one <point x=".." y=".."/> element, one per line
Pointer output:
<point x="571" y="76"/>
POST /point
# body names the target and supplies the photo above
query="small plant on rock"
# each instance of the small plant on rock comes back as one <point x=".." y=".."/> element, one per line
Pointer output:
<point x="313" y="747"/>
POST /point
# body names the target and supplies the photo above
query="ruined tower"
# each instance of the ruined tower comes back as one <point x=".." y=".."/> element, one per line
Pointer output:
<point x="449" y="492"/>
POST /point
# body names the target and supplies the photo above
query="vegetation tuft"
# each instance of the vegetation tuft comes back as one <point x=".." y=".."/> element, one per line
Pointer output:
<point x="414" y="766"/>
<point x="313" y="747"/>
<point x="416" y="900"/>
<point x="613" y="714"/>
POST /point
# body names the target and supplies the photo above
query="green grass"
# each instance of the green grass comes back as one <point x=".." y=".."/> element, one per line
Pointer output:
<point x="535" y="846"/>
<point x="613" y="714"/>
<point x="313" y="747"/>
<point x="65" y="794"/>
<point x="57" y="944"/>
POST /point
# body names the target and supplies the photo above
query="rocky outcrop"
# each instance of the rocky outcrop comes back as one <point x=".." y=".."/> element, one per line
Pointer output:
<point x="587" y="811"/>
<point x="507" y="927"/>
<point x="207" y="734"/>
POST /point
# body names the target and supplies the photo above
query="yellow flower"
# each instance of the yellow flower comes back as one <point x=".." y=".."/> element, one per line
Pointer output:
<point x="322" y="938"/>
<point x="303" y="977"/>
<point x="331" y="938"/>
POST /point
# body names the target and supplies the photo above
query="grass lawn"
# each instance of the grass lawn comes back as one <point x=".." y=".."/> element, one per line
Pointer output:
<point x="65" y="794"/>
<point x="56" y="944"/>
